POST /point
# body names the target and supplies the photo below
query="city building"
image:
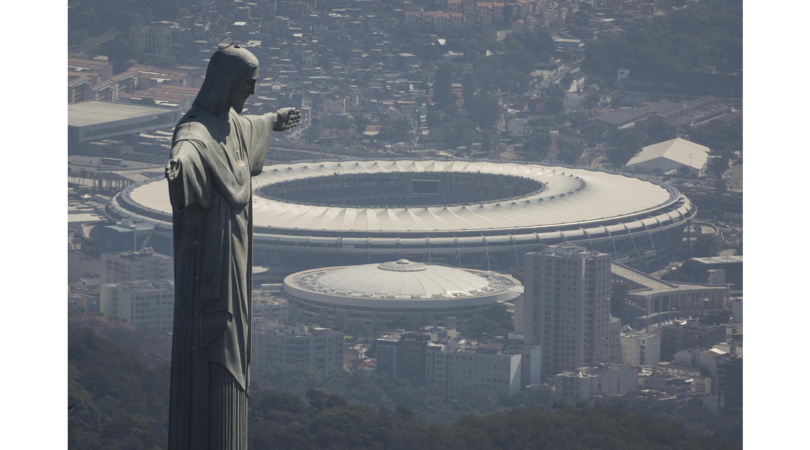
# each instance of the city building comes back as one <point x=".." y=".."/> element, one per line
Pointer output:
<point x="640" y="349"/>
<point x="732" y="267"/>
<point x="678" y="387"/>
<point x="484" y="369"/>
<point x="731" y="389"/>
<point x="566" y="309"/>
<point x="390" y="290"/>
<point x="318" y="348"/>
<point x="607" y="379"/>
<point x="677" y="337"/>
<point x="269" y="303"/>
<point x="683" y="86"/>
<point x="140" y="303"/>
<point x="452" y="366"/>
<point x="153" y="39"/>
<point x="145" y="265"/>
<point x="658" y="298"/>
<point x="737" y="310"/>
<point x="701" y="384"/>
<point x="95" y="120"/>
<point x="671" y="156"/>
<point x="95" y="70"/>
<point x="476" y="214"/>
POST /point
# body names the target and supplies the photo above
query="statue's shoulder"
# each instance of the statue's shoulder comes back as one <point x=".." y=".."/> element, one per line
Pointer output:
<point x="196" y="125"/>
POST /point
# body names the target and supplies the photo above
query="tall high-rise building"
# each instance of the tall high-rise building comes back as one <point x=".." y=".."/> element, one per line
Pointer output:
<point x="566" y="308"/>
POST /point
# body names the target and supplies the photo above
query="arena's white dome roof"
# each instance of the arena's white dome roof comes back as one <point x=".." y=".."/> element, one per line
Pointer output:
<point x="404" y="278"/>
<point x="402" y="284"/>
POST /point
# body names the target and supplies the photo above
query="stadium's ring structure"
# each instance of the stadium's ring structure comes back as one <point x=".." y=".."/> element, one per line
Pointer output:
<point x="475" y="214"/>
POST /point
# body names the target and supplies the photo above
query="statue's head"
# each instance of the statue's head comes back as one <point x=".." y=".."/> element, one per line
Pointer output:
<point x="230" y="79"/>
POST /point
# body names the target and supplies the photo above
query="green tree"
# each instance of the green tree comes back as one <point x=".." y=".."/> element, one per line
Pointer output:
<point x="570" y="151"/>
<point x="553" y="105"/>
<point x="443" y="87"/>
<point x="591" y="101"/>
<point x="594" y="131"/>
<point x="396" y="131"/>
<point x="536" y="145"/>
<point x="720" y="187"/>
<point x="660" y="132"/>
<point x="483" y="109"/>
<point x="360" y="123"/>
<point x="706" y="246"/>
<point x="313" y="132"/>
<point x="566" y="81"/>
<point x="119" y="52"/>
<point x="624" y="144"/>
<point x="488" y="141"/>
<point x="469" y="86"/>
<point x="718" y="165"/>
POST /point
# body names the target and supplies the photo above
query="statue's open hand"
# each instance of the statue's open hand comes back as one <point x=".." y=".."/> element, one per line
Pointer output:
<point x="286" y="118"/>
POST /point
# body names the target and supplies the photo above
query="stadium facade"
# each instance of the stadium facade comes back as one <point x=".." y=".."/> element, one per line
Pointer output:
<point x="476" y="214"/>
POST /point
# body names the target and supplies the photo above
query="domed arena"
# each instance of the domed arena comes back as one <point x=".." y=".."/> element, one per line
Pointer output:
<point x="475" y="214"/>
<point x="389" y="290"/>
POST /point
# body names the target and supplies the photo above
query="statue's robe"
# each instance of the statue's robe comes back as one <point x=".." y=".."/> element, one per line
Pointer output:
<point x="209" y="177"/>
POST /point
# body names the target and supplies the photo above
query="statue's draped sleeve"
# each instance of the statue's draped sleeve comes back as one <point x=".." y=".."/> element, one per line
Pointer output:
<point x="189" y="180"/>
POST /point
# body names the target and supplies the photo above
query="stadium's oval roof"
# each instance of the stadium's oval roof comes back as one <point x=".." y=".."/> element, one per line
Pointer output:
<point x="401" y="284"/>
<point x="570" y="196"/>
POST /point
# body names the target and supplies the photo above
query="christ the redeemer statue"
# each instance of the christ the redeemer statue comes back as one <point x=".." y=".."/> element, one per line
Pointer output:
<point x="215" y="152"/>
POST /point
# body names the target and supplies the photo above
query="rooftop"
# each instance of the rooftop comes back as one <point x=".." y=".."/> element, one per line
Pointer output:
<point x="720" y="260"/>
<point x="403" y="279"/>
<point x="679" y="150"/>
<point x="84" y="114"/>
<point x="572" y="195"/>
<point x="626" y="116"/>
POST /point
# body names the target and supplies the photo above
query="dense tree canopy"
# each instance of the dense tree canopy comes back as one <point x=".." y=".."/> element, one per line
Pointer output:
<point x="707" y="33"/>
<point x="120" y="402"/>
<point x="623" y="145"/>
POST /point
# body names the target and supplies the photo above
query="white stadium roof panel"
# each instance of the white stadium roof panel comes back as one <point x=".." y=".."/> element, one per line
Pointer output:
<point x="579" y="196"/>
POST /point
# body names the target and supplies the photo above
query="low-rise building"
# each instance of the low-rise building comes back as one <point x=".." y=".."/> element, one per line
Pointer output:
<point x="318" y="348"/>
<point x="607" y="379"/>
<point x="701" y="384"/>
<point x="453" y="366"/>
<point x="679" y="387"/>
<point x="677" y="337"/>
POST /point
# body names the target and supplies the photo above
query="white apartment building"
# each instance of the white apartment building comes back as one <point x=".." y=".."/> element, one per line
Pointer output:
<point x="136" y="266"/>
<point x="481" y="369"/>
<point x="318" y="348"/>
<point x="141" y="303"/>
<point x="566" y="309"/>
<point x="640" y="348"/>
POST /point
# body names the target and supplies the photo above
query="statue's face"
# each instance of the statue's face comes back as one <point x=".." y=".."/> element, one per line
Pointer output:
<point x="242" y="89"/>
